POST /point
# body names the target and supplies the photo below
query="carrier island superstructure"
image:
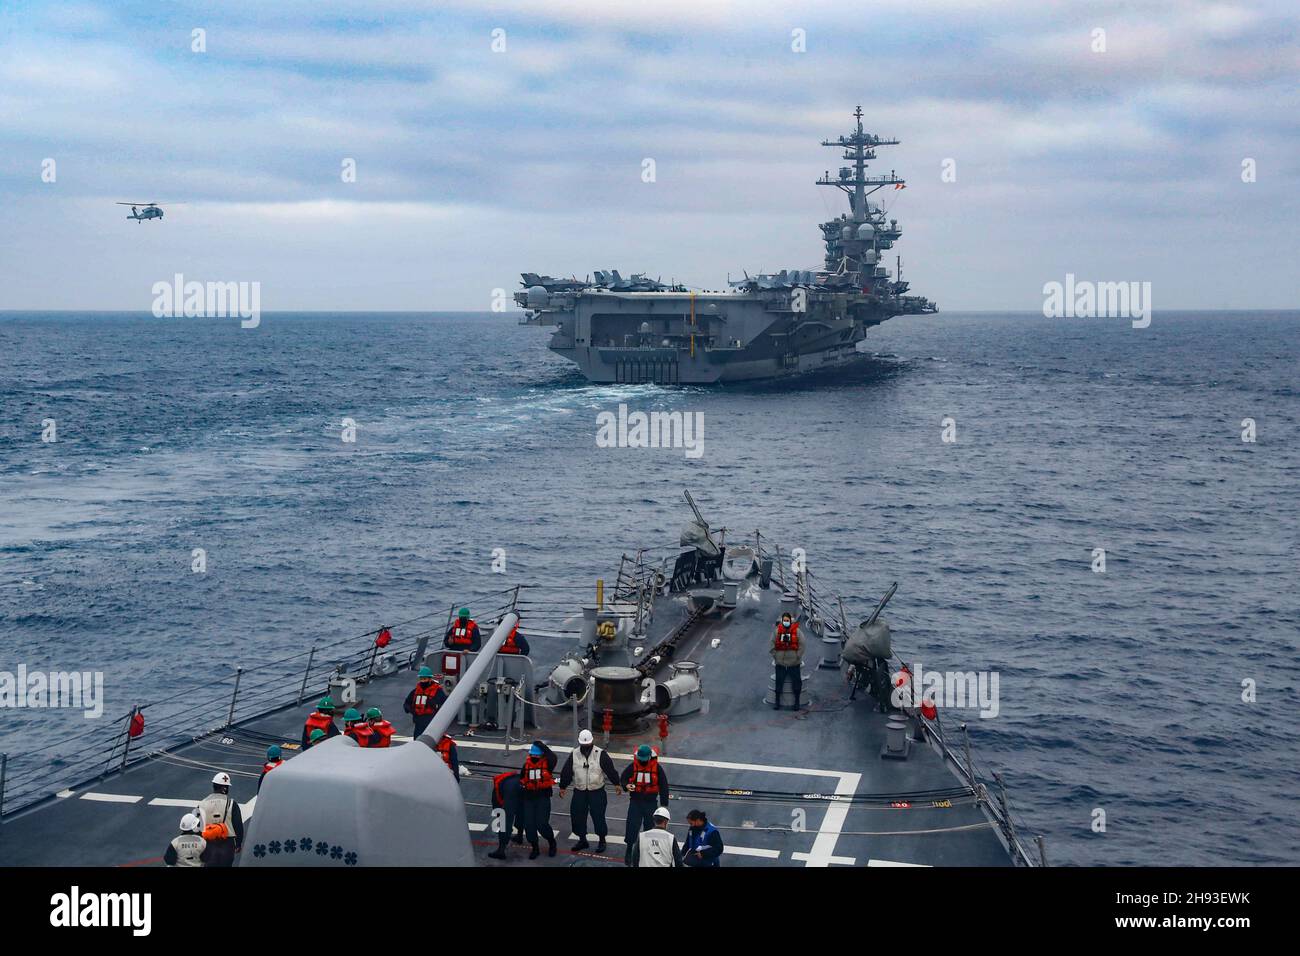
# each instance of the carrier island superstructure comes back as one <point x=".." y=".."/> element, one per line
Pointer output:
<point x="792" y="322"/>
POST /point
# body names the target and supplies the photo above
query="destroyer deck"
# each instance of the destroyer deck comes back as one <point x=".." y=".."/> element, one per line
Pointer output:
<point x="785" y="788"/>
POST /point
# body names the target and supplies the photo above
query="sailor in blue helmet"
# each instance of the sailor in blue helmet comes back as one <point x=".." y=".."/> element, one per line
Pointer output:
<point x="536" y="778"/>
<point x="647" y="786"/>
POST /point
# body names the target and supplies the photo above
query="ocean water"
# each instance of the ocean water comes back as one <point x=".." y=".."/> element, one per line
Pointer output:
<point x="1120" y="691"/>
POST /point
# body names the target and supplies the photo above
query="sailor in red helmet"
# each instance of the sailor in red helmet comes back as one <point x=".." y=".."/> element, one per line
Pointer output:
<point x="536" y="778"/>
<point x="463" y="635"/>
<point x="321" y="719"/>
<point x="787" y="656"/>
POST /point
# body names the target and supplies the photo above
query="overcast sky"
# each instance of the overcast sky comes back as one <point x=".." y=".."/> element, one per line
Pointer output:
<point x="474" y="165"/>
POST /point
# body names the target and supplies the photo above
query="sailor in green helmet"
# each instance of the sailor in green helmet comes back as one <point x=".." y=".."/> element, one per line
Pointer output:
<point x="382" y="729"/>
<point x="321" y="719"/>
<point x="355" y="726"/>
<point x="463" y="635"/>
<point x="424" y="700"/>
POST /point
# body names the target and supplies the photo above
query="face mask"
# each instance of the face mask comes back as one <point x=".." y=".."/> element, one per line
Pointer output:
<point x="586" y="750"/>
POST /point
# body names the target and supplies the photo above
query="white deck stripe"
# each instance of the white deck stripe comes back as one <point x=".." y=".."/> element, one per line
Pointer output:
<point x="823" y="848"/>
<point x="683" y="761"/>
<point x="172" y="802"/>
<point x="111" y="797"/>
<point x="892" y="863"/>
<point x="752" y="851"/>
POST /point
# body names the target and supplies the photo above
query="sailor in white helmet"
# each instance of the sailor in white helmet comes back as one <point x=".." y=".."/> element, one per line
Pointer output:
<point x="586" y="771"/>
<point x="188" y="849"/>
<point x="657" y="846"/>
<point x="223" y="824"/>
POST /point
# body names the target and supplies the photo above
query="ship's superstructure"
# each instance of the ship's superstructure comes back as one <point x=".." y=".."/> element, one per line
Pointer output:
<point x="791" y="322"/>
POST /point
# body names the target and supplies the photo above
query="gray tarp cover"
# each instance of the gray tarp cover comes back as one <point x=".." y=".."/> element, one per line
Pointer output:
<point x="398" y="806"/>
<point x="867" y="642"/>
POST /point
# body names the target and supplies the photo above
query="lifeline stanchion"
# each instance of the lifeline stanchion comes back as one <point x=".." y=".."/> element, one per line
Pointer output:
<point x="302" y="691"/>
<point x="234" y="696"/>
<point x="126" y="749"/>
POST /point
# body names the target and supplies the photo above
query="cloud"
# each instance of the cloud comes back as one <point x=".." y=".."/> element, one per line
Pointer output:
<point x="1054" y="143"/>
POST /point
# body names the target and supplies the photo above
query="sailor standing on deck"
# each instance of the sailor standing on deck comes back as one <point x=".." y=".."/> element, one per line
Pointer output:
<point x="515" y="643"/>
<point x="223" y="824"/>
<point x="424" y="700"/>
<point x="656" y="847"/>
<point x="188" y="849"/>
<point x="273" y="760"/>
<point x="647" y="787"/>
<point x="463" y="635"/>
<point x="703" y="841"/>
<point x="586" y="771"/>
<point x="536" y="778"/>
<point x="787" y="655"/>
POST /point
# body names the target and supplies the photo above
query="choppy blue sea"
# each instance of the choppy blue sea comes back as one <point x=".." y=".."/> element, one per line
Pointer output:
<point x="1120" y="691"/>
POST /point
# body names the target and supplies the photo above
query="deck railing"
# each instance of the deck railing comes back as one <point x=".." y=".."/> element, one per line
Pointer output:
<point x="209" y="707"/>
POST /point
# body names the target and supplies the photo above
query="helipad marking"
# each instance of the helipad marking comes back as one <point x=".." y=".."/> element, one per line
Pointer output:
<point x="64" y="794"/>
<point x="840" y="860"/>
<point x="172" y="802"/>
<point x="111" y="797"/>
<point x="823" y="848"/>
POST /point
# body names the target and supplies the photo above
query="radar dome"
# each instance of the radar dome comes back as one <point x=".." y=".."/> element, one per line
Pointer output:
<point x="538" y="297"/>
<point x="866" y="230"/>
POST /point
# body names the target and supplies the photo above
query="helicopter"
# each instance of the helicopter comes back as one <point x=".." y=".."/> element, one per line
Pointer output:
<point x="151" y="210"/>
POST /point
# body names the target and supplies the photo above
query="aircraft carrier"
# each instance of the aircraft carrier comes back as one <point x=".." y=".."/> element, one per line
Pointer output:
<point x="672" y="651"/>
<point x="793" y="322"/>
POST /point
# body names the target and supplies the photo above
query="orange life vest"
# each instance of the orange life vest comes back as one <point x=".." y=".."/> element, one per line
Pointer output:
<point x="360" y="732"/>
<point x="318" y="721"/>
<point x="422" y="704"/>
<point x="511" y="646"/>
<point x="383" y="734"/>
<point x="499" y="798"/>
<point x="444" y="748"/>
<point x="536" y="774"/>
<point x="645" y="776"/>
<point x="460" y="634"/>
<point x="787" y="638"/>
<point x="271" y="765"/>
